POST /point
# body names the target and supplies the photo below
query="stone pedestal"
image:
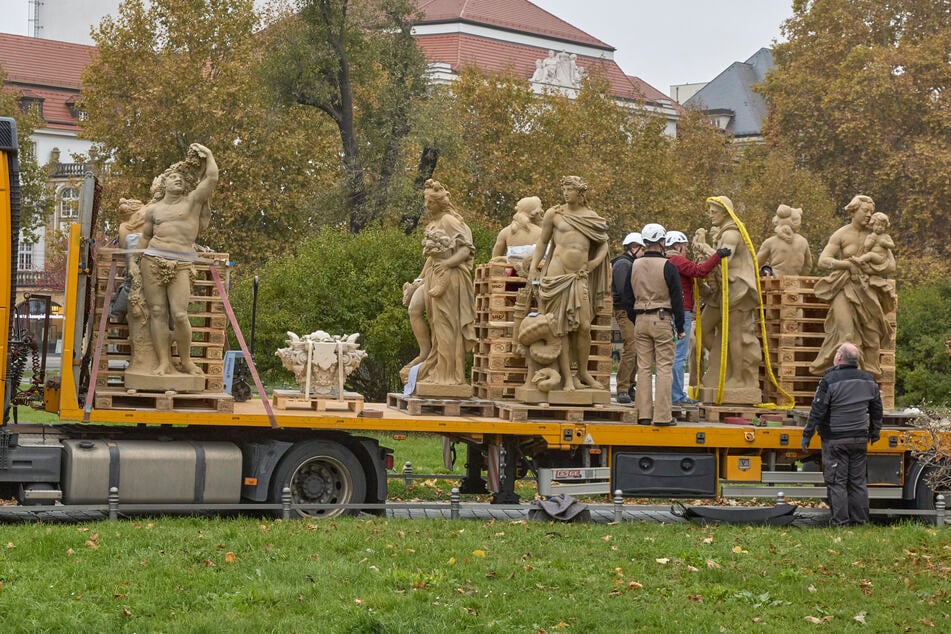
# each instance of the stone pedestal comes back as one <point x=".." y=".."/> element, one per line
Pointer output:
<point x="733" y="396"/>
<point x="175" y="382"/>
<point x="435" y="390"/>
<point x="561" y="397"/>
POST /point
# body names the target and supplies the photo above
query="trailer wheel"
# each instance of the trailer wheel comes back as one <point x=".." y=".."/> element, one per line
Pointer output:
<point x="320" y="472"/>
<point x="925" y="496"/>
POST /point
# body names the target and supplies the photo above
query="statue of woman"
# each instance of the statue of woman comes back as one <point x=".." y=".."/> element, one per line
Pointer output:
<point x="858" y="290"/>
<point x="448" y="295"/>
<point x="743" y="350"/>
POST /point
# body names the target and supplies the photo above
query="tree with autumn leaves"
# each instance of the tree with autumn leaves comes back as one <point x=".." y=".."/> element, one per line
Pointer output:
<point x="859" y="95"/>
<point x="177" y="72"/>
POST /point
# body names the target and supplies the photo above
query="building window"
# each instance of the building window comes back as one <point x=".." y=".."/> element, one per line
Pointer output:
<point x="25" y="257"/>
<point x="68" y="204"/>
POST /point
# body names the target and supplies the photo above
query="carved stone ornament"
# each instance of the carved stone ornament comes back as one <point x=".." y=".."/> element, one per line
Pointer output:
<point x="321" y="362"/>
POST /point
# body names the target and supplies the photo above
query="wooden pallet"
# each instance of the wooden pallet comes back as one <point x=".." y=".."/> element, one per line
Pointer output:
<point x="716" y="413"/>
<point x="519" y="412"/>
<point x="440" y="407"/>
<point x="795" y="332"/>
<point x="294" y="399"/>
<point x="162" y="401"/>
<point x="690" y="414"/>
<point x="494" y="392"/>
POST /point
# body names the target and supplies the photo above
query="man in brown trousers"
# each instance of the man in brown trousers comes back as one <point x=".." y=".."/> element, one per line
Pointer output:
<point x="658" y="324"/>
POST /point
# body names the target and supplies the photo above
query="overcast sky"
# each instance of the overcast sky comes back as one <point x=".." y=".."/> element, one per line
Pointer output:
<point x="663" y="43"/>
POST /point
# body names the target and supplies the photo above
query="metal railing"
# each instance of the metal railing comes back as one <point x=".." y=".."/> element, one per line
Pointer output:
<point x="615" y="511"/>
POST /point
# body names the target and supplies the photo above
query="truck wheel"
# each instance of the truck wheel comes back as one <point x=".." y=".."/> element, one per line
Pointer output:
<point x="320" y="472"/>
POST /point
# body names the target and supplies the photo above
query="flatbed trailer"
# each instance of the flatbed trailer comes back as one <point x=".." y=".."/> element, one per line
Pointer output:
<point x="187" y="451"/>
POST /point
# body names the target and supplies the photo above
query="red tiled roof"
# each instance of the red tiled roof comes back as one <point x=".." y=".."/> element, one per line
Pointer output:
<point x="515" y="15"/>
<point x="31" y="60"/>
<point x="47" y="70"/>
<point x="460" y="50"/>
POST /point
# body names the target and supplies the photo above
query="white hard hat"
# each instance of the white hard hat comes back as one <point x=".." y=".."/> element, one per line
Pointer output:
<point x="675" y="237"/>
<point x="653" y="232"/>
<point x="632" y="238"/>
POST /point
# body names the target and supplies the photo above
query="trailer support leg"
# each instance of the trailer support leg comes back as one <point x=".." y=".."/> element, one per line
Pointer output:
<point x="475" y="464"/>
<point x="508" y="461"/>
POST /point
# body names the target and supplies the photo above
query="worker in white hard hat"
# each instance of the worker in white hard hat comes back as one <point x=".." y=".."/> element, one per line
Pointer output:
<point x="659" y="322"/>
<point x="623" y="297"/>
<point x="676" y="243"/>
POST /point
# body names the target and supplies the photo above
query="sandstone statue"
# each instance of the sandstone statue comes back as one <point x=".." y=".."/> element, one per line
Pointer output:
<point x="441" y="302"/>
<point x="743" y="350"/>
<point x="573" y="285"/>
<point x="321" y="362"/>
<point x="171" y="223"/>
<point x="515" y="244"/>
<point x="787" y="252"/>
<point x="860" y="289"/>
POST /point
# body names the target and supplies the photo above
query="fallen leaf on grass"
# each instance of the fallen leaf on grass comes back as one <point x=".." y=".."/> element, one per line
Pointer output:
<point x="693" y="569"/>
<point x="696" y="598"/>
<point x="358" y="601"/>
<point x="707" y="540"/>
<point x="606" y="538"/>
<point x="663" y="560"/>
<point x="478" y="553"/>
<point x="816" y="620"/>
<point x="10" y="545"/>
<point x="229" y="557"/>
<point x="860" y="617"/>
<point x="926" y="622"/>
<point x="812" y="588"/>
<point x="126" y="612"/>
<point x="739" y="549"/>
<point x="70" y="552"/>
<point x="635" y="586"/>
<point x="714" y="565"/>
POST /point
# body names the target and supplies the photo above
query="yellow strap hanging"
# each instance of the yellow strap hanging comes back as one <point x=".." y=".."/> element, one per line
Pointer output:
<point x="694" y="390"/>
<point x="762" y="315"/>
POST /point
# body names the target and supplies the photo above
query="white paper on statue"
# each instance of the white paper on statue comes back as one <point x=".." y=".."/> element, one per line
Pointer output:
<point x="520" y="253"/>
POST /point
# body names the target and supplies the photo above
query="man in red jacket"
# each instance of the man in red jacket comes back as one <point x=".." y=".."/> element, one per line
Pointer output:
<point x="677" y="255"/>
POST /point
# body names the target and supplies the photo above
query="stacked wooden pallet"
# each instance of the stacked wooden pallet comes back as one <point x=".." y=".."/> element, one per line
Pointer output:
<point x="795" y="330"/>
<point x="497" y="369"/>
<point x="206" y="313"/>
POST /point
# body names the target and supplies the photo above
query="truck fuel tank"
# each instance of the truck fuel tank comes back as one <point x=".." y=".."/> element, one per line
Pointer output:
<point x="151" y="471"/>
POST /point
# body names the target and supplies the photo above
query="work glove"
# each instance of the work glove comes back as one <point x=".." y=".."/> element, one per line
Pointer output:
<point x="805" y="444"/>
<point x="724" y="252"/>
<point x="873" y="439"/>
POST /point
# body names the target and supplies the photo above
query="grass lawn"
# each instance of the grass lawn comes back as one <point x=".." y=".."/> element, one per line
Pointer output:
<point x="385" y="575"/>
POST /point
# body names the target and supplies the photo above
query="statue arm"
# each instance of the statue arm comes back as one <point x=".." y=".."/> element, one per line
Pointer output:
<point x="827" y="259"/>
<point x="461" y="255"/>
<point x="599" y="256"/>
<point x="500" y="243"/>
<point x="209" y="179"/>
<point x="548" y="225"/>
<point x="148" y="229"/>
<point x="807" y="261"/>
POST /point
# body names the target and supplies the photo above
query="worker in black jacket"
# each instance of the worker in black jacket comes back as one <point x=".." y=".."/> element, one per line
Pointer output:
<point x="623" y="298"/>
<point x="847" y="411"/>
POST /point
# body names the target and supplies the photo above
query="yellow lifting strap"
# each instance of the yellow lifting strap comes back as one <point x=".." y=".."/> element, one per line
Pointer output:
<point x="725" y="315"/>
<point x="693" y="391"/>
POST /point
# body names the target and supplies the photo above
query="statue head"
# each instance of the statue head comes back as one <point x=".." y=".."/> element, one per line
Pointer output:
<point x="531" y="206"/>
<point x="436" y="199"/>
<point x="575" y="183"/>
<point x="863" y="205"/>
<point x="718" y="209"/>
<point x="879" y="222"/>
